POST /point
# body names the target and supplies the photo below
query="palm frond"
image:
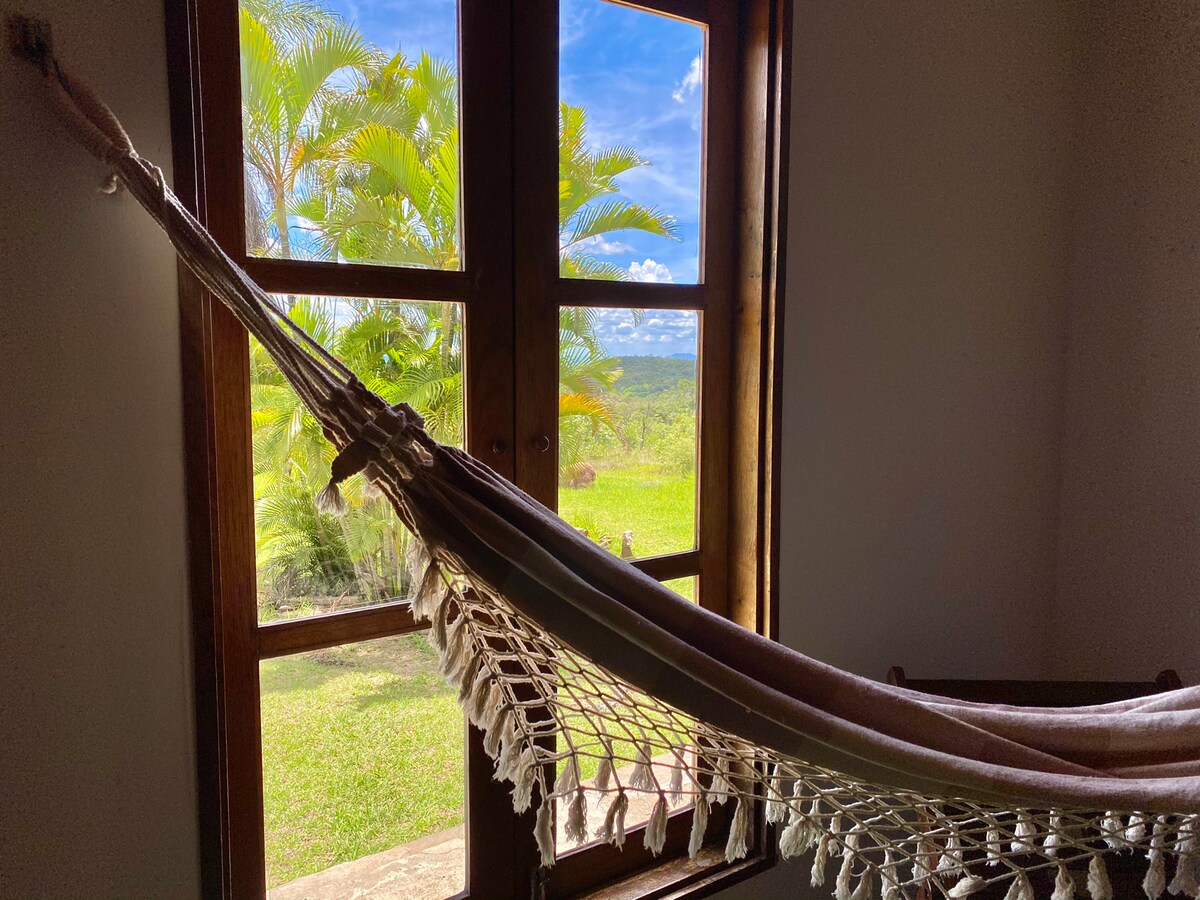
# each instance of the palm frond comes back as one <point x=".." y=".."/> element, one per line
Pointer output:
<point x="314" y="61"/>
<point x="577" y="264"/>
<point x="621" y="215"/>
<point x="616" y="160"/>
<point x="393" y="154"/>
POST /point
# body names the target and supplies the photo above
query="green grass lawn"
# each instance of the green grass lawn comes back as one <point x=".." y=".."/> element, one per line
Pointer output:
<point x="363" y="744"/>
<point x="660" y="509"/>
<point x="362" y="751"/>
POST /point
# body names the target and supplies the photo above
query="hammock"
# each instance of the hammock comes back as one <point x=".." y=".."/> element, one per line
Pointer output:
<point x="569" y="659"/>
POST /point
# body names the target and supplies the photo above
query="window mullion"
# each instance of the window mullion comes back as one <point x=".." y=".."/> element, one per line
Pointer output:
<point x="535" y="167"/>
<point x="294" y="276"/>
<point x="500" y="846"/>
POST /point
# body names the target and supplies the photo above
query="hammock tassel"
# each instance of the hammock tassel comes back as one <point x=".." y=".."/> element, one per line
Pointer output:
<point x="604" y="769"/>
<point x="1155" y="883"/>
<point x="493" y="732"/>
<point x="1110" y="825"/>
<point x="721" y="788"/>
<point x="966" y="886"/>
<point x="330" y="500"/>
<point x="951" y="860"/>
<point x="1020" y="889"/>
<point x="656" y="830"/>
<point x="568" y="778"/>
<point x="777" y="808"/>
<point x="1186" y="840"/>
<point x="1098" y="885"/>
<point x="506" y="762"/>
<point x="1136" y="831"/>
<point x="1185" y="881"/>
<point x="993" y="844"/>
<point x="1054" y="839"/>
<point x="429" y="591"/>
<point x="1022" y="832"/>
<point x="576" y="825"/>
<point x="865" y="884"/>
<point x="613" y="829"/>
<point x="468" y="679"/>
<point x="699" y="825"/>
<point x="455" y="655"/>
<point x="1064" y="885"/>
<point x="797" y="839"/>
<point x="543" y="831"/>
<point x="642" y="777"/>
<point x="841" y="885"/>
<point x="820" y="859"/>
<point x="736" y="848"/>
<point x="523" y="781"/>
<point x="675" y="790"/>
<point x="484" y="702"/>
<point x="438" y="624"/>
<point x="891" y="890"/>
<point x="921" y="861"/>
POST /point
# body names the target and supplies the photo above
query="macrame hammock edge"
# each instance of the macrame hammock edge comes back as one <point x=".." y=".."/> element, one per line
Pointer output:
<point x="570" y="661"/>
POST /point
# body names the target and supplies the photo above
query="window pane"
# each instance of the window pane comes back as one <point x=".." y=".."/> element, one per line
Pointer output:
<point x="631" y="86"/>
<point x="310" y="562"/>
<point x="363" y="770"/>
<point x="627" y="427"/>
<point x="687" y="588"/>
<point x="350" y="128"/>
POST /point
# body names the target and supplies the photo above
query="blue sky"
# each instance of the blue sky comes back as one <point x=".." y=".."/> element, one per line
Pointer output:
<point x="640" y="77"/>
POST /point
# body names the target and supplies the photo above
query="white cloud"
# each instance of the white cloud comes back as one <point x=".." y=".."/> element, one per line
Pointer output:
<point x="691" y="81"/>
<point x="572" y="25"/>
<point x="665" y="332"/>
<point x="650" y="271"/>
<point x="598" y="245"/>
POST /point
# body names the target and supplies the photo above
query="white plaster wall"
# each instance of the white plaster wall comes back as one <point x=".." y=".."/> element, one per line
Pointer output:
<point x="96" y="750"/>
<point x="1129" y="548"/>
<point x="924" y="334"/>
<point x="924" y="339"/>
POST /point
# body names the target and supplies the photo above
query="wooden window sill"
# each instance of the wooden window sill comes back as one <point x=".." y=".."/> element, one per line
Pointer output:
<point x="682" y="877"/>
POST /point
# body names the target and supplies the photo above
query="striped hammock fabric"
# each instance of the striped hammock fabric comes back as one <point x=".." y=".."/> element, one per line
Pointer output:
<point x="596" y="686"/>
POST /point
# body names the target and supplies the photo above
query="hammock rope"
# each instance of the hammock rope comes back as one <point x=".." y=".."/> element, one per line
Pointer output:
<point x="593" y="684"/>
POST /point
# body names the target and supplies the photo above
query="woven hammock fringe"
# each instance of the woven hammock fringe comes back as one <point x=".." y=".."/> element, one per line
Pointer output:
<point x="954" y="847"/>
<point x="1098" y="885"/>
<point x="1064" y="886"/>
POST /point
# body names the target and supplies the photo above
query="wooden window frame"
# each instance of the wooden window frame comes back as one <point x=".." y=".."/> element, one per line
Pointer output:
<point x="743" y="213"/>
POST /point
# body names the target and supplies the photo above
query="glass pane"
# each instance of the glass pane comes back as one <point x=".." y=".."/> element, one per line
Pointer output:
<point x="687" y="588"/>
<point x="627" y="427"/>
<point x="350" y="127"/>
<point x="363" y="771"/>
<point x="310" y="562"/>
<point x="631" y="87"/>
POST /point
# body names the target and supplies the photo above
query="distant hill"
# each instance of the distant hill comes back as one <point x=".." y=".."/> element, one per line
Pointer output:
<point x="644" y="376"/>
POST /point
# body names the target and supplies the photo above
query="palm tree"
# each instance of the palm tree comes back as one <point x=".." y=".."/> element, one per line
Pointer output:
<point x="294" y="115"/>
<point x="392" y="195"/>
<point x="406" y="354"/>
<point x="588" y="203"/>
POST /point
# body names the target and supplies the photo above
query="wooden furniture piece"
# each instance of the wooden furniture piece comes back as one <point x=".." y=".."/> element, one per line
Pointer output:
<point x="1126" y="872"/>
